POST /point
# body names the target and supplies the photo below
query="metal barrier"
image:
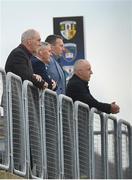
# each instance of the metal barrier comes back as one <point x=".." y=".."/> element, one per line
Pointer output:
<point x="125" y="147"/>
<point x="83" y="146"/>
<point x="51" y="134"/>
<point x="97" y="121"/>
<point x="4" y="124"/>
<point x="32" y="109"/>
<point x="112" y="147"/>
<point x="67" y="138"/>
<point x="17" y="124"/>
<point x="43" y="135"/>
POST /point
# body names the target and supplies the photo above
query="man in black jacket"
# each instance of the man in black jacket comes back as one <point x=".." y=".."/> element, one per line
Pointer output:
<point x="19" y="62"/>
<point x="78" y="89"/>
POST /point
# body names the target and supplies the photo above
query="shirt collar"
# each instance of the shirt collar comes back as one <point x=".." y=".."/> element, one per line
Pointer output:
<point x="55" y="57"/>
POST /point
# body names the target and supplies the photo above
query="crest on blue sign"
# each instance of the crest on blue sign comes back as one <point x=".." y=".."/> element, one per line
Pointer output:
<point x="70" y="52"/>
<point x="68" y="29"/>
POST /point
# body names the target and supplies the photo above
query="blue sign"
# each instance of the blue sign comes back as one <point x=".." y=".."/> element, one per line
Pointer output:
<point x="71" y="29"/>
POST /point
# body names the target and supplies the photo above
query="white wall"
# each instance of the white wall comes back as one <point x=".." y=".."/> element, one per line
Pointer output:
<point x="108" y="40"/>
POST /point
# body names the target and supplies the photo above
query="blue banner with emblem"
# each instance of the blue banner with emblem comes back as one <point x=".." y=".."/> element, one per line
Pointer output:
<point x="71" y="29"/>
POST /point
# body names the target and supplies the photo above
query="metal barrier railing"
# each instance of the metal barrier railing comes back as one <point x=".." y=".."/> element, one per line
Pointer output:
<point x="4" y="124"/>
<point x="67" y="138"/>
<point x="82" y="145"/>
<point x="43" y="135"/>
<point x="97" y="121"/>
<point x="32" y="109"/>
<point x="51" y="134"/>
<point x="17" y="124"/>
<point x="125" y="147"/>
<point x="111" y="147"/>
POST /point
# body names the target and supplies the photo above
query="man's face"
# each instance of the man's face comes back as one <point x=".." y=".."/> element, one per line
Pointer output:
<point x="58" y="47"/>
<point x="45" y="54"/>
<point x="85" y="71"/>
<point x="35" y="42"/>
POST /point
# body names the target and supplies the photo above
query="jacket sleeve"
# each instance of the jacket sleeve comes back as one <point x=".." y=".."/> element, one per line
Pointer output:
<point x="18" y="64"/>
<point x="104" y="107"/>
<point x="78" y="91"/>
<point x="39" y="69"/>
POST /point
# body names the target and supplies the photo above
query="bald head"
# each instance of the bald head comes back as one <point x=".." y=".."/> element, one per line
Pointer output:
<point x="28" y="34"/>
<point x="82" y="69"/>
<point x="31" y="40"/>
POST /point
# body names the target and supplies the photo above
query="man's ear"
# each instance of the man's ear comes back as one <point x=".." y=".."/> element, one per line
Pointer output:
<point x="29" y="42"/>
<point x="79" y="72"/>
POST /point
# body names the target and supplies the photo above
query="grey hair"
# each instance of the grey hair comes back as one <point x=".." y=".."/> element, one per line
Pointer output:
<point x="28" y="34"/>
<point x="77" y="64"/>
<point x="43" y="45"/>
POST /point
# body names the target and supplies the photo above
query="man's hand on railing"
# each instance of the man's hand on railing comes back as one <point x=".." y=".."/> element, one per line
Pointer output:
<point x="54" y="84"/>
<point x="114" y="108"/>
<point x="39" y="82"/>
<point x="45" y="85"/>
<point x="37" y="77"/>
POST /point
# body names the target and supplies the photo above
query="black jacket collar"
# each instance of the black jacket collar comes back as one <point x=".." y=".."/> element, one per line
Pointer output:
<point x="85" y="82"/>
<point x="25" y="49"/>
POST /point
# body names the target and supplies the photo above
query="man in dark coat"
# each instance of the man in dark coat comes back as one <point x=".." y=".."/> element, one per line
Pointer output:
<point x="19" y="62"/>
<point x="39" y="63"/>
<point x="78" y="89"/>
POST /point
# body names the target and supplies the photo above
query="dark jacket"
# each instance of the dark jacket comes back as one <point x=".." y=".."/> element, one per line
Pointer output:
<point x="40" y="68"/>
<point x="78" y="89"/>
<point x="19" y="63"/>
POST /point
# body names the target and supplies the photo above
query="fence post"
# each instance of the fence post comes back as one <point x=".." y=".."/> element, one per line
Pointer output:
<point x="83" y="139"/>
<point x="32" y="106"/>
<point x="125" y="151"/>
<point x="4" y="123"/>
<point x="51" y="134"/>
<point x="67" y="138"/>
<point x="97" y="121"/>
<point x="112" y="150"/>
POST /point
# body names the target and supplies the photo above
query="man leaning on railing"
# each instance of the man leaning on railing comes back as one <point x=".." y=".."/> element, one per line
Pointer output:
<point x="78" y="88"/>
